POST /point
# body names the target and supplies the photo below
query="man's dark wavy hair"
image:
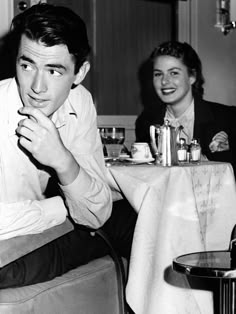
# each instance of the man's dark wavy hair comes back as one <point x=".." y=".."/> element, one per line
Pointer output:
<point x="52" y="25"/>
<point x="188" y="56"/>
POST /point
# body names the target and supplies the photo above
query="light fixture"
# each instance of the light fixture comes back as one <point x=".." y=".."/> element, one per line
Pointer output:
<point x="226" y="15"/>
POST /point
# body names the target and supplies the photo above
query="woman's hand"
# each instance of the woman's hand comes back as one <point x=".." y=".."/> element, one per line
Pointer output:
<point x="219" y="143"/>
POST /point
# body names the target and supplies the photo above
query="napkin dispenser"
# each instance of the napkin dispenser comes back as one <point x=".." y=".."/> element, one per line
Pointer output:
<point x="164" y="141"/>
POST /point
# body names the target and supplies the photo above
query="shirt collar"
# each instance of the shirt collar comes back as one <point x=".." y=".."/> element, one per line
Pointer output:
<point x="188" y="114"/>
<point x="61" y="116"/>
<point x="186" y="120"/>
<point x="14" y="103"/>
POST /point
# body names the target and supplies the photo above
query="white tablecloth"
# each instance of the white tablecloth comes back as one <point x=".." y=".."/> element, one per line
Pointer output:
<point x="180" y="210"/>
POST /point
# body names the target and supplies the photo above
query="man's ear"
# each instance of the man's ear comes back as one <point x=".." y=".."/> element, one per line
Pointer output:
<point x="85" y="67"/>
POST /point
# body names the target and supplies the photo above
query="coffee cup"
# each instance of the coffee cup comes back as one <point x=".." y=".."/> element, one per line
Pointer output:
<point x="140" y="151"/>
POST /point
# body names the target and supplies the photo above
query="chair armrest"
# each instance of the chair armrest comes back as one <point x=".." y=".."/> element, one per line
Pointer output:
<point x="13" y="248"/>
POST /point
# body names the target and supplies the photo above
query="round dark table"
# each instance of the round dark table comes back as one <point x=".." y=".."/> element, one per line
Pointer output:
<point x="212" y="264"/>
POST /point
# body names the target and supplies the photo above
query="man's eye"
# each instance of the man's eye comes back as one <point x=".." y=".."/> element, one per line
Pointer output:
<point x="54" y="72"/>
<point x="26" y="67"/>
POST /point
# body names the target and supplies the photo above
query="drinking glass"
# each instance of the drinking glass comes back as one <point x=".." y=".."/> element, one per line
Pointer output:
<point x="113" y="138"/>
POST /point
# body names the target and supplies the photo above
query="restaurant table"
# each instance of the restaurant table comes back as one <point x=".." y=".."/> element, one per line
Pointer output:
<point x="212" y="264"/>
<point x="181" y="209"/>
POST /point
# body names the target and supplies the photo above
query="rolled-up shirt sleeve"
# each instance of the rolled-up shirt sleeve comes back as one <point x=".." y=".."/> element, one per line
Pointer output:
<point x="30" y="217"/>
<point x="88" y="197"/>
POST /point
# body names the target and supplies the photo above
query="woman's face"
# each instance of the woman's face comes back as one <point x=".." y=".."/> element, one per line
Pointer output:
<point x="172" y="81"/>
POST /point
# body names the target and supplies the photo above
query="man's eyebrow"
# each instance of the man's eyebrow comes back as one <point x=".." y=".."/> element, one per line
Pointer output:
<point x="50" y="65"/>
<point x="56" y="65"/>
<point x="24" y="58"/>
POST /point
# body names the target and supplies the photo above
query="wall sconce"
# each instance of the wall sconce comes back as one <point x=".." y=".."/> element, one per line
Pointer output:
<point x="226" y="15"/>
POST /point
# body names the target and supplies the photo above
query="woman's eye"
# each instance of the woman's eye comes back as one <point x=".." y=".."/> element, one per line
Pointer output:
<point x="174" y="73"/>
<point x="157" y="74"/>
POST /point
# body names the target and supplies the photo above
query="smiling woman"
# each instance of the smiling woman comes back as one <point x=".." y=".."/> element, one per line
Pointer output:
<point x="173" y="83"/>
<point x="178" y="82"/>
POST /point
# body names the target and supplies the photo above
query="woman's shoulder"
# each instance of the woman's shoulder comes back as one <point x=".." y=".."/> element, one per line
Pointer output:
<point x="216" y="106"/>
<point x="215" y="103"/>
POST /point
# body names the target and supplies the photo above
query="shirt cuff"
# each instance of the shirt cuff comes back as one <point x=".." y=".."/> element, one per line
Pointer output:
<point x="79" y="186"/>
<point x="53" y="210"/>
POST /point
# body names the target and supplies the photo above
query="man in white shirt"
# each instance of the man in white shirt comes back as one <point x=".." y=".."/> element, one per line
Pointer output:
<point x="49" y="131"/>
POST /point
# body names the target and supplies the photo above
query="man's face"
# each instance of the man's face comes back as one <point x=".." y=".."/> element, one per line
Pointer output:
<point x="44" y="75"/>
<point x="171" y="80"/>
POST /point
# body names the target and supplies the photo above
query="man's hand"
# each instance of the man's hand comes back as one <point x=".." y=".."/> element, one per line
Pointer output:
<point x="219" y="142"/>
<point x="38" y="135"/>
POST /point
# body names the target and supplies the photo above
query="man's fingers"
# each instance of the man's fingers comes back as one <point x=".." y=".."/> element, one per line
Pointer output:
<point x="36" y="114"/>
<point x="27" y="144"/>
<point x="29" y="124"/>
<point x="25" y="132"/>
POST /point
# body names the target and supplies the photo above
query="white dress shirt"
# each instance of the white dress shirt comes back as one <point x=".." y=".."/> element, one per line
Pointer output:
<point x="24" y="208"/>
<point x="186" y="120"/>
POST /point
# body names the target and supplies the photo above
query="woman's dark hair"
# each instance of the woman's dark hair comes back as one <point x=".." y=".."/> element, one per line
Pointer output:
<point x="52" y="25"/>
<point x="188" y="56"/>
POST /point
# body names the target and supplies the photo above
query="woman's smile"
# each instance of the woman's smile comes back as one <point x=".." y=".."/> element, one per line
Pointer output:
<point x="172" y="81"/>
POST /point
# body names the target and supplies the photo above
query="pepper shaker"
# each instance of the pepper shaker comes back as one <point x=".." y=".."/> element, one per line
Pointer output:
<point x="195" y="151"/>
<point x="182" y="150"/>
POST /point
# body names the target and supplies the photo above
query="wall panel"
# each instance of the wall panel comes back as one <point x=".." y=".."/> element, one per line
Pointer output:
<point x="126" y="33"/>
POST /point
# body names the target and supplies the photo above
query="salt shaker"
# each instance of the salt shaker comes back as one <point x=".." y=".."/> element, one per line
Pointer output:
<point x="195" y="151"/>
<point x="182" y="150"/>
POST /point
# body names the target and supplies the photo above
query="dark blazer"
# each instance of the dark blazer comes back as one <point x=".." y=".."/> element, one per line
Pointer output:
<point x="210" y="118"/>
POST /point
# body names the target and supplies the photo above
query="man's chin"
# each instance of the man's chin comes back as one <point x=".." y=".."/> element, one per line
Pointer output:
<point x="43" y="110"/>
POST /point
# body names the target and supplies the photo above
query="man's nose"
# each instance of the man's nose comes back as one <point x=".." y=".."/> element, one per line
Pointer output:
<point x="39" y="84"/>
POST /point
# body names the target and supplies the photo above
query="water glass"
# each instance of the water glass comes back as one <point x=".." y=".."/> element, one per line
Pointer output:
<point x="113" y="138"/>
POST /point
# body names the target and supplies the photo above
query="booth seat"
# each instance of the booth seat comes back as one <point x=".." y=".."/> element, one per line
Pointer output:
<point x="94" y="288"/>
<point x="88" y="289"/>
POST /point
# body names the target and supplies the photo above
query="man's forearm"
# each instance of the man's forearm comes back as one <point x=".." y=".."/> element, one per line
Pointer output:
<point x="29" y="217"/>
<point x="67" y="169"/>
<point x="88" y="199"/>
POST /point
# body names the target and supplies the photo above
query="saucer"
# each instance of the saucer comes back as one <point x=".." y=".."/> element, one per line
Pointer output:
<point x="121" y="157"/>
<point x="140" y="161"/>
<point x="124" y="156"/>
<point x="111" y="158"/>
